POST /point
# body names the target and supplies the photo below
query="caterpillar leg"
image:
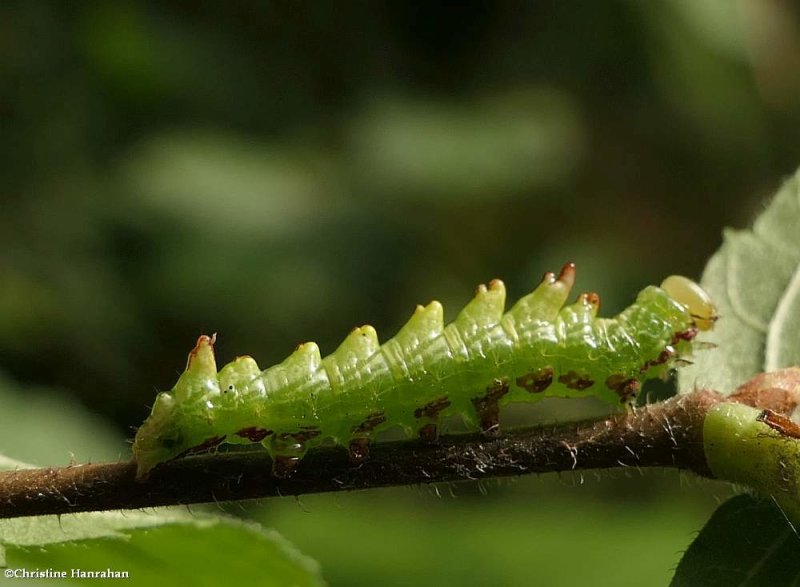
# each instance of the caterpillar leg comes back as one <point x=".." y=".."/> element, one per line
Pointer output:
<point x="487" y="406"/>
<point x="287" y="449"/>
<point x="428" y="416"/>
<point x="429" y="432"/>
<point x="359" y="444"/>
<point x="283" y="466"/>
<point x="627" y="388"/>
<point x="358" y="449"/>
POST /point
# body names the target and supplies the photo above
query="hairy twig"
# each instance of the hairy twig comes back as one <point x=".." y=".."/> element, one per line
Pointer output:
<point x="667" y="434"/>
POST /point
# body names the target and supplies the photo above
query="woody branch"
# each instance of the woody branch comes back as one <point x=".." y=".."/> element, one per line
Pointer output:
<point x="668" y="434"/>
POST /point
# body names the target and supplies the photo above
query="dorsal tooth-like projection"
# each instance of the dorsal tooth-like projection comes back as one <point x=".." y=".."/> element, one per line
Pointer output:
<point x="425" y="324"/>
<point x="305" y="359"/>
<point x="237" y="375"/>
<point x="545" y="302"/>
<point x="578" y="320"/>
<point x="471" y="334"/>
<point x="427" y="372"/>
<point x="345" y="365"/>
<point x="403" y="353"/>
<point x="200" y="377"/>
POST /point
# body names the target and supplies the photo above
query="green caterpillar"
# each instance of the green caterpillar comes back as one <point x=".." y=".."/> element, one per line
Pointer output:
<point x="427" y="372"/>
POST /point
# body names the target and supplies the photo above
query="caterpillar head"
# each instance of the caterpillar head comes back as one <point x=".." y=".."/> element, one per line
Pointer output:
<point x="178" y="424"/>
<point x="696" y="300"/>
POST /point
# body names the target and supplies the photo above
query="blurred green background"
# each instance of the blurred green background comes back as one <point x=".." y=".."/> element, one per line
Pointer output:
<point x="279" y="171"/>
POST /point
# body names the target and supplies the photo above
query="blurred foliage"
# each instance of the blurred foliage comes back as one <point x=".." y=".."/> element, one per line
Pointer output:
<point x="278" y="172"/>
<point x="46" y="428"/>
<point x="542" y="531"/>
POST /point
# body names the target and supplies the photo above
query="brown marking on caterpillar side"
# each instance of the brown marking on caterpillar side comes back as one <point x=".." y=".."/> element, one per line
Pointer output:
<point x="626" y="388"/>
<point x="429" y="432"/>
<point x="207" y="444"/>
<point x="663" y="357"/>
<point x="372" y="421"/>
<point x="432" y="409"/>
<point x="284" y="466"/>
<point x="575" y="380"/>
<point x="254" y="433"/>
<point x="779" y="422"/>
<point x="686" y="335"/>
<point x="488" y="406"/>
<point x="358" y="449"/>
<point x="536" y="381"/>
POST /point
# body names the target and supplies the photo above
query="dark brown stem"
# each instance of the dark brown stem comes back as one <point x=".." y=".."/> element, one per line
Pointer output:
<point x="668" y="434"/>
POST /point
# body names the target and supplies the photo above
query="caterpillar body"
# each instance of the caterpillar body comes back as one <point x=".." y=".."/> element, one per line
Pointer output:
<point x="484" y="359"/>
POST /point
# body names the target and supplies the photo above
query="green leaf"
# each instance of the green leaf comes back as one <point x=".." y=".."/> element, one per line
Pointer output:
<point x="46" y="428"/>
<point x="165" y="549"/>
<point x="754" y="280"/>
<point x="746" y="542"/>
